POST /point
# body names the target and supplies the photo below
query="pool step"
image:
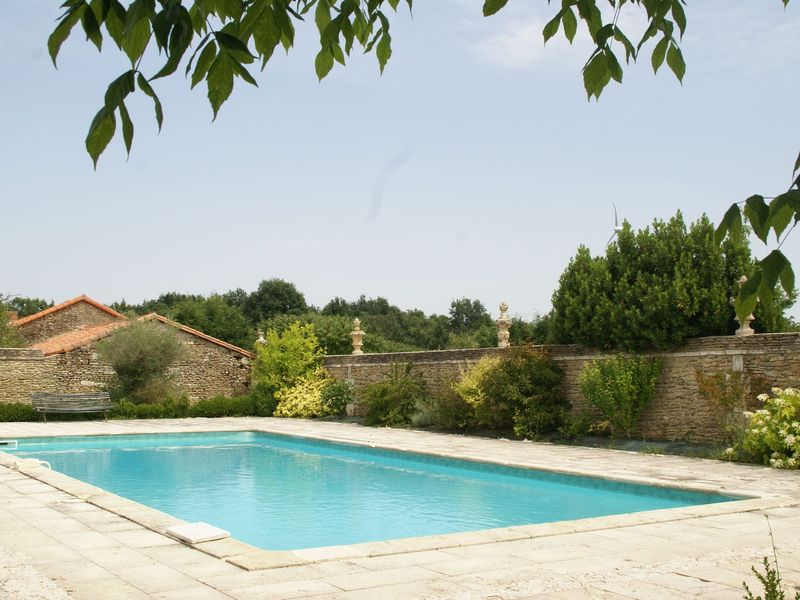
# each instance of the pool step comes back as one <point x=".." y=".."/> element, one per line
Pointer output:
<point x="195" y="533"/>
<point x="8" y="444"/>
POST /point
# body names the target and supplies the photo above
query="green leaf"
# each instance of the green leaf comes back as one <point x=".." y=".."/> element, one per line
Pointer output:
<point x="757" y="213"/>
<point x="266" y="36"/>
<point x="731" y="222"/>
<point x="787" y="276"/>
<point x="127" y="127"/>
<point x="781" y="210"/>
<point x="322" y="16"/>
<point x="135" y="41"/>
<point x="220" y="82"/>
<point x="596" y="75"/>
<point x="679" y="16"/>
<point x="676" y="62"/>
<point x="796" y="165"/>
<point x="552" y="27"/>
<point x="659" y="53"/>
<point x="63" y="29"/>
<point x="773" y="267"/>
<point x="119" y="89"/>
<point x="240" y="71"/>
<point x="92" y="28"/>
<point x="179" y="39"/>
<point x="138" y="11"/>
<point x="384" y="49"/>
<point x="207" y="57"/>
<point x="100" y="133"/>
<point x="614" y="68"/>
<point x="630" y="49"/>
<point x="323" y="63"/>
<point x="747" y="298"/>
<point x="570" y="24"/>
<point x="490" y="7"/>
<point x="115" y="23"/>
<point x="147" y="89"/>
<point x="233" y="45"/>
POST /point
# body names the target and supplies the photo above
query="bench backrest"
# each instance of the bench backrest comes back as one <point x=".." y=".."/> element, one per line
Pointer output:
<point x="50" y="400"/>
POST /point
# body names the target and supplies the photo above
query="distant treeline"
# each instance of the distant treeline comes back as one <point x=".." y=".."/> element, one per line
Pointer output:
<point x="235" y="316"/>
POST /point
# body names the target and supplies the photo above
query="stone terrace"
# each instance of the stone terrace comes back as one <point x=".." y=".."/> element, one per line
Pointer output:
<point x="61" y="538"/>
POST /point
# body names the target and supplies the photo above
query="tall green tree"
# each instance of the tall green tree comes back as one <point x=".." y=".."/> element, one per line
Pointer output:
<point x="25" y="306"/>
<point x="468" y="315"/>
<point x="214" y="316"/>
<point x="9" y="336"/>
<point x="274" y="297"/>
<point x="654" y="288"/>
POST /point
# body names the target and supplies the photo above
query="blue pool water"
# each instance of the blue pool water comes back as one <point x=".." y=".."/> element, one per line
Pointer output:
<point x="281" y="492"/>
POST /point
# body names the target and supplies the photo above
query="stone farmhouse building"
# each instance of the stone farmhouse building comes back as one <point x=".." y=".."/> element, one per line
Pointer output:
<point x="60" y="354"/>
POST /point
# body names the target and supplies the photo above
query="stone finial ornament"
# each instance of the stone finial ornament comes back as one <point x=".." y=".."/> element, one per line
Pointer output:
<point x="503" y="325"/>
<point x="261" y="339"/>
<point x="358" y="337"/>
<point x="744" y="328"/>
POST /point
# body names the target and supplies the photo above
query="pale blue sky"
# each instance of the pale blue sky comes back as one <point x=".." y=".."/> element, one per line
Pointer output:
<point x="502" y="166"/>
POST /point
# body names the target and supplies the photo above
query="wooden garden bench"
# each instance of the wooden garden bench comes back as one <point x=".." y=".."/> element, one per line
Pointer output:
<point x="47" y="402"/>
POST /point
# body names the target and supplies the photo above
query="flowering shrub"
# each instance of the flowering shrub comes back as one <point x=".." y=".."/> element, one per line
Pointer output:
<point x="304" y="399"/>
<point x="469" y="388"/>
<point x="772" y="436"/>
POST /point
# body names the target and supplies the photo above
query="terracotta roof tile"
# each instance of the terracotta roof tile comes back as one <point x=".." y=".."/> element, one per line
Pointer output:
<point x="66" y="342"/>
<point x="63" y="305"/>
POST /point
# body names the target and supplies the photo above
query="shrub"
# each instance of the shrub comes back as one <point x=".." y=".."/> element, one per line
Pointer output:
<point x="527" y="383"/>
<point x="620" y="388"/>
<point x="469" y="388"/>
<point x="520" y="390"/>
<point x="286" y="357"/>
<point x="141" y="355"/>
<point x="222" y="406"/>
<point x="17" y="411"/>
<point x="304" y="399"/>
<point x="336" y="396"/>
<point x="264" y="402"/>
<point x="394" y="400"/>
<point x="9" y="335"/>
<point x="445" y="409"/>
<point x="772" y="435"/>
<point x="169" y="408"/>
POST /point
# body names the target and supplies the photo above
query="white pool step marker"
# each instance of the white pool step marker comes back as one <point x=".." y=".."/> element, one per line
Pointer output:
<point x="195" y="533"/>
<point x="8" y="444"/>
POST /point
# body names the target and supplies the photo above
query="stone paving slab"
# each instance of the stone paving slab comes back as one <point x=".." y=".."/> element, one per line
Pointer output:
<point x="96" y="545"/>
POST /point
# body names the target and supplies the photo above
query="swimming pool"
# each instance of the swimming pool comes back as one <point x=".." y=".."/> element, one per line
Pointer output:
<point x="281" y="492"/>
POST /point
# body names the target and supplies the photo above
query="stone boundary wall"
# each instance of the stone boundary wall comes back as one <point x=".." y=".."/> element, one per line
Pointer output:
<point x="678" y="412"/>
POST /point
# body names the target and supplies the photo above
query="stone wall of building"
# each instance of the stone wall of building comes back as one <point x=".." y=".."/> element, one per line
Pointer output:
<point x="678" y="412"/>
<point x="205" y="370"/>
<point x="76" y="316"/>
<point x="23" y="371"/>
